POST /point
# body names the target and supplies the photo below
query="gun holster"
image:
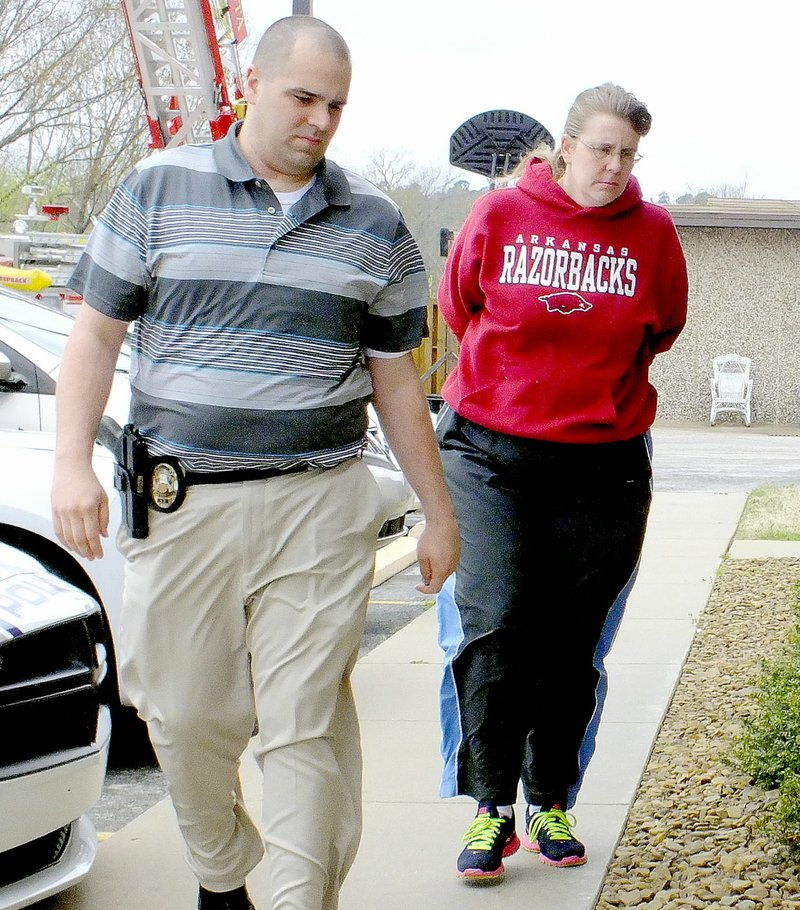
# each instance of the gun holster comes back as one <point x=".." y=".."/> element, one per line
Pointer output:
<point x="142" y="480"/>
<point x="131" y="472"/>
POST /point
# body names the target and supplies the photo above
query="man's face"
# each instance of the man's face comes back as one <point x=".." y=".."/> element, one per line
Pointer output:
<point x="293" y="113"/>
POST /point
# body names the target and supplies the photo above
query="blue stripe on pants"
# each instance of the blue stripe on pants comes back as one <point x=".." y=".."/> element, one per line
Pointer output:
<point x="607" y="636"/>
<point x="451" y="637"/>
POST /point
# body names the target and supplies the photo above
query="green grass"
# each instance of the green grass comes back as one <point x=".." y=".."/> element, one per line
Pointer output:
<point x="771" y="513"/>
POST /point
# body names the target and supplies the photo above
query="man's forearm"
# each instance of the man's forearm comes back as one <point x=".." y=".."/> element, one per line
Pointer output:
<point x="84" y="383"/>
<point x="80" y="504"/>
<point x="405" y="419"/>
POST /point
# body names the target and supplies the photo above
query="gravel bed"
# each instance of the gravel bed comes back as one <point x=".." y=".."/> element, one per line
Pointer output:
<point x="692" y="840"/>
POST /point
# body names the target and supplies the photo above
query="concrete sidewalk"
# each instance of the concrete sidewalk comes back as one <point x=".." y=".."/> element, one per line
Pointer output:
<point x="411" y="837"/>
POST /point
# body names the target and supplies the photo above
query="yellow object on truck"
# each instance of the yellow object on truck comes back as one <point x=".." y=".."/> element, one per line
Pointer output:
<point x="33" y="280"/>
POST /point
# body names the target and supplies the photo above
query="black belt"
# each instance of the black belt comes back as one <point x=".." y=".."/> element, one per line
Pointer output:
<point x="167" y="481"/>
<point x="194" y="477"/>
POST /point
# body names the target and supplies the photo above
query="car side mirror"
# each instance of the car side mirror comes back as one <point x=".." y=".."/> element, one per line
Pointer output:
<point x="9" y="380"/>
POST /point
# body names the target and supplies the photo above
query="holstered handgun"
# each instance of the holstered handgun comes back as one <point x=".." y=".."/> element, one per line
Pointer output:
<point x="131" y="472"/>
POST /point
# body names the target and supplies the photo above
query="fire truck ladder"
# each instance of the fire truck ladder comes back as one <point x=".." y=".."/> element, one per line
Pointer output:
<point x="188" y="63"/>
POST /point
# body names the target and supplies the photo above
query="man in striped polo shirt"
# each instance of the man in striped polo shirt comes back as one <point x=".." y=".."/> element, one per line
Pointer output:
<point x="273" y="296"/>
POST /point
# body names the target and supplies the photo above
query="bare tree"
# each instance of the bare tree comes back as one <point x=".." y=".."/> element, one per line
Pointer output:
<point x="389" y="169"/>
<point x="42" y="57"/>
<point x="729" y="191"/>
<point x="394" y="169"/>
<point x="71" y="113"/>
<point x="429" y="197"/>
<point x="104" y="139"/>
<point x="719" y="191"/>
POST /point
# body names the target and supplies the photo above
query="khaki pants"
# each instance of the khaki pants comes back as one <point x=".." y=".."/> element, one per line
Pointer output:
<point x="247" y="604"/>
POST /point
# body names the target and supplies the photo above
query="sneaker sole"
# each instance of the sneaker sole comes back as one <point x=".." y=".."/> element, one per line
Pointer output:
<point x="533" y="847"/>
<point x="478" y="876"/>
<point x="563" y="863"/>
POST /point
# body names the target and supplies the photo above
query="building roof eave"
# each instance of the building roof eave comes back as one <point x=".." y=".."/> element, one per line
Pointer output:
<point x="738" y="213"/>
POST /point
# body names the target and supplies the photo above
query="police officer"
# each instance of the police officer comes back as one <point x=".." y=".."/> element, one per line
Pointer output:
<point x="274" y="295"/>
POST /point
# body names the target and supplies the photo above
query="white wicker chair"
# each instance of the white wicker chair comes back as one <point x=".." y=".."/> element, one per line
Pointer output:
<point x="731" y="386"/>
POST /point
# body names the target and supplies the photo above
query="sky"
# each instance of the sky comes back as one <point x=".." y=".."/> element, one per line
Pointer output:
<point x="720" y="80"/>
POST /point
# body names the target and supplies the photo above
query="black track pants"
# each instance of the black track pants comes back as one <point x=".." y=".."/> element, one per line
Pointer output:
<point x="551" y="539"/>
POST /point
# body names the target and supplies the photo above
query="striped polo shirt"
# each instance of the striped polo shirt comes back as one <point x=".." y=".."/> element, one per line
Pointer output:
<point x="251" y="322"/>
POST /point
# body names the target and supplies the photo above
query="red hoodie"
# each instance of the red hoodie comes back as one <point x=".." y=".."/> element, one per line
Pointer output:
<point x="560" y="311"/>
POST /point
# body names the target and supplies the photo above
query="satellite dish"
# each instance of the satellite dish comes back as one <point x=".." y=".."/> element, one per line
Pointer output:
<point x="493" y="142"/>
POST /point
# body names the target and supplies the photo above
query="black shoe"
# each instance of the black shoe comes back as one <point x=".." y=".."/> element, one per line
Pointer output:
<point x="489" y="838"/>
<point x="238" y="899"/>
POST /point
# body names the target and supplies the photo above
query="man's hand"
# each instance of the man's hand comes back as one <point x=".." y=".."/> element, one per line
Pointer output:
<point x="80" y="510"/>
<point x="79" y="502"/>
<point x="438" y="549"/>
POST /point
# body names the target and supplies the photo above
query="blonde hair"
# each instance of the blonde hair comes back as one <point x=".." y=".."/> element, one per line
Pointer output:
<point x="602" y="99"/>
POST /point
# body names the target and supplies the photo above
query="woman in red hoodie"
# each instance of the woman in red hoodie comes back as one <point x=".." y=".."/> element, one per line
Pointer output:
<point x="561" y="288"/>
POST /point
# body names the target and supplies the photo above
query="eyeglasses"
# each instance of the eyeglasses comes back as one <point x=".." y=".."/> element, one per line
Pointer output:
<point x="605" y="151"/>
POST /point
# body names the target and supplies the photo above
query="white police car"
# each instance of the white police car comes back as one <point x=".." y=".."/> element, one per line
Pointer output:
<point x="26" y="472"/>
<point x="32" y="341"/>
<point x="55" y="729"/>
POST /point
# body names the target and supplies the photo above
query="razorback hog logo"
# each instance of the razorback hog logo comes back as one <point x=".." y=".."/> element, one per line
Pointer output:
<point x="565" y="302"/>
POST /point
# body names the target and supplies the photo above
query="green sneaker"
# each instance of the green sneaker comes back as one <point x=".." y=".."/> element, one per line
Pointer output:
<point x="489" y="838"/>
<point x="548" y="834"/>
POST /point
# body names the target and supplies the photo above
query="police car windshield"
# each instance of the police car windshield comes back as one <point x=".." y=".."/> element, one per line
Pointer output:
<point x="47" y="328"/>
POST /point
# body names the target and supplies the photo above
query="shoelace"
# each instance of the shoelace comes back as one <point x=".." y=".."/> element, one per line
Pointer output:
<point x="483" y="832"/>
<point x="556" y="825"/>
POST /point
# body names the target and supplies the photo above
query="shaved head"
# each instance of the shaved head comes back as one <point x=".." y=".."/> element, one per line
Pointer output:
<point x="296" y="89"/>
<point x="278" y="41"/>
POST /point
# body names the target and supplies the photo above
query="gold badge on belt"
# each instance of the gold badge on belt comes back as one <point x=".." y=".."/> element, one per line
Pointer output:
<point x="167" y="485"/>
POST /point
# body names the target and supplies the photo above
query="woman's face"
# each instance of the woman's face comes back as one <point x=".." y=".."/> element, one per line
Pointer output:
<point x="599" y="161"/>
